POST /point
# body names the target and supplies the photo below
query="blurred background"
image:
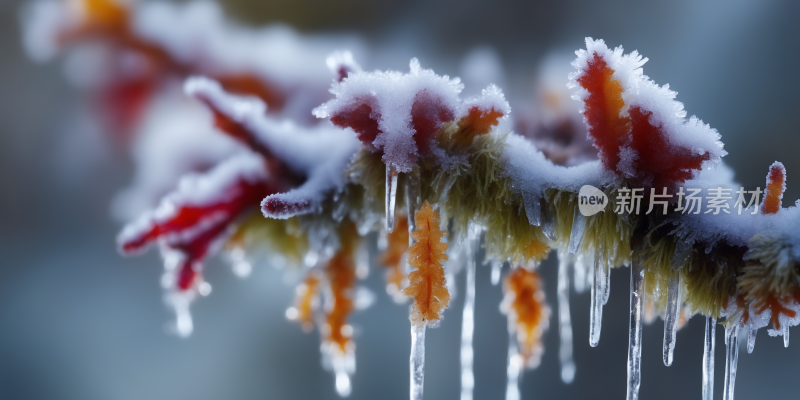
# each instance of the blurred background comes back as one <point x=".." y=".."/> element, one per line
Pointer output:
<point x="77" y="321"/>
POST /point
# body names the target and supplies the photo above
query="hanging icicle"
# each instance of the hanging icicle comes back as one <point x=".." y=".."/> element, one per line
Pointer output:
<point x="786" y="334"/>
<point x="417" y="361"/>
<point x="708" y="358"/>
<point x="598" y="299"/>
<point x="582" y="271"/>
<point x="564" y="321"/>
<point x="468" y="319"/>
<point x="514" y="369"/>
<point x="427" y="287"/>
<point x="578" y="228"/>
<point x="672" y="316"/>
<point x="548" y="221"/>
<point x="731" y="359"/>
<point x="635" y="328"/>
<point x="497" y="269"/>
<point x="391" y="195"/>
<point x="751" y="339"/>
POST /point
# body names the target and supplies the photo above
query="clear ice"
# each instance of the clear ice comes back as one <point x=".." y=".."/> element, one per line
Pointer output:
<point x="598" y="295"/>
<point x="731" y="359"/>
<point x="607" y="276"/>
<point x="671" y="317"/>
<point x="548" y="221"/>
<point x="576" y="235"/>
<point x="635" y="328"/>
<point x="751" y="339"/>
<point x="564" y="322"/>
<point x="582" y="272"/>
<point x="343" y="368"/>
<point x="514" y="369"/>
<point x="533" y="208"/>
<point x="708" y="358"/>
<point x="391" y="195"/>
<point x="413" y="199"/>
<point x="417" y="362"/>
<point x="468" y="320"/>
<point x="683" y="250"/>
<point x="786" y="334"/>
<point x="497" y="269"/>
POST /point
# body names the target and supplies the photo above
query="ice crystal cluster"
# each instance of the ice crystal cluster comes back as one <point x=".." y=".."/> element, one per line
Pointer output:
<point x="249" y="171"/>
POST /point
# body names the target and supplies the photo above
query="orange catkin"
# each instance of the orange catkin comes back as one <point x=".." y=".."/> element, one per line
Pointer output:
<point x="527" y="312"/>
<point x="427" y="284"/>
<point x="307" y="301"/>
<point x="773" y="193"/>
<point x="341" y="273"/>
<point x="392" y="257"/>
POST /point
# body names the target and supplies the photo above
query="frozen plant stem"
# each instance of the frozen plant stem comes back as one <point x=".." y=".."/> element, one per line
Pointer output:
<point x="514" y="369"/>
<point x="564" y="322"/>
<point x="598" y="293"/>
<point x="391" y="195"/>
<point x="671" y="317"/>
<point x="635" y="328"/>
<point x="708" y="359"/>
<point x="731" y="359"/>
<point x="468" y="320"/>
<point x="417" y="362"/>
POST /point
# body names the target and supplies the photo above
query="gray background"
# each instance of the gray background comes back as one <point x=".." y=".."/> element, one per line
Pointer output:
<point x="79" y="322"/>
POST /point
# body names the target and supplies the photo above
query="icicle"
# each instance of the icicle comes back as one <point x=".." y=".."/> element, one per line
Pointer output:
<point x="786" y="334"/>
<point x="607" y="275"/>
<point x="635" y="328"/>
<point x="533" y="208"/>
<point x="391" y="194"/>
<point x="343" y="388"/>
<point x="413" y="202"/>
<point x="580" y="267"/>
<point x="548" y="221"/>
<point x="731" y="359"/>
<point x="683" y="250"/>
<point x="497" y="269"/>
<point x="751" y="339"/>
<point x="514" y="369"/>
<point x="413" y="199"/>
<point x="576" y="235"/>
<point x="417" y="361"/>
<point x="671" y="317"/>
<point x="468" y="320"/>
<point x="598" y="292"/>
<point x="708" y="359"/>
<point x="343" y="367"/>
<point x="564" y="323"/>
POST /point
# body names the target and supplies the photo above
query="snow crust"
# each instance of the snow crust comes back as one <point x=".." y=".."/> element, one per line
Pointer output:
<point x="198" y="190"/>
<point x="733" y="228"/>
<point x="532" y="172"/>
<point x="320" y="153"/>
<point x="392" y="94"/>
<point x="640" y="91"/>
<point x="175" y="137"/>
<point x="197" y="33"/>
